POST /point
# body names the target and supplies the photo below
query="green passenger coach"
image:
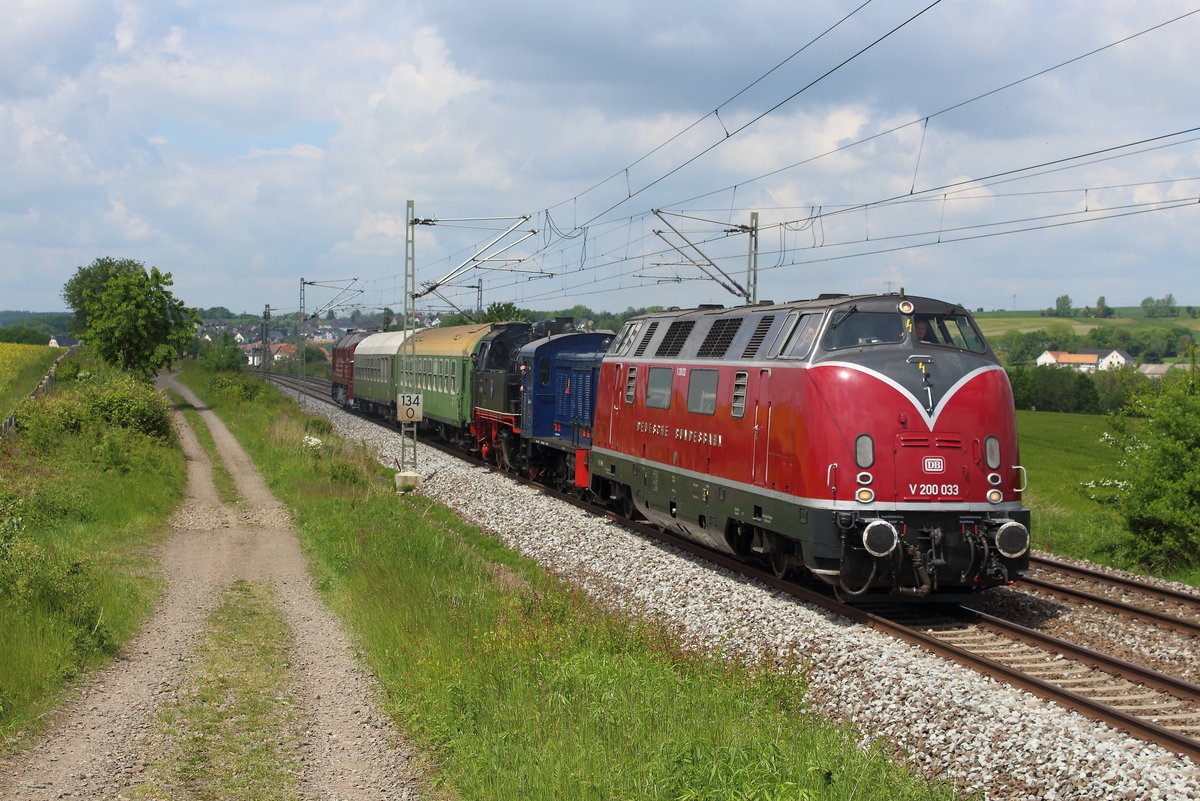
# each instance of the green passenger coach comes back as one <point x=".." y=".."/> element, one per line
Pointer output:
<point x="442" y="372"/>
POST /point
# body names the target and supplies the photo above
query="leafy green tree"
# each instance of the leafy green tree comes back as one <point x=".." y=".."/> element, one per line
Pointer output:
<point x="1102" y="308"/>
<point x="1062" y="306"/>
<point x="495" y="313"/>
<point x="224" y="354"/>
<point x="1160" y="307"/>
<point x="1158" y="434"/>
<point x="136" y="323"/>
<point x="1113" y="387"/>
<point x="22" y="335"/>
<point x="91" y="280"/>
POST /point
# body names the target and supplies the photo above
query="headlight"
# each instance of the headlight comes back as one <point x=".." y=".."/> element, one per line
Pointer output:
<point x="864" y="495"/>
<point x="995" y="496"/>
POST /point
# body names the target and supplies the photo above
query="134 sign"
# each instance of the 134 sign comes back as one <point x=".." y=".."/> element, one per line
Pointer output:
<point x="408" y="408"/>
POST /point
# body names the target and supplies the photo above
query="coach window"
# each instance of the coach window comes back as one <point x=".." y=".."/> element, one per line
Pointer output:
<point x="702" y="391"/>
<point x="658" y="388"/>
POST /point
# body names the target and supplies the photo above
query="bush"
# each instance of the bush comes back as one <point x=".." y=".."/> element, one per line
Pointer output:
<point x="236" y="387"/>
<point x="120" y="401"/>
<point x="1158" y="434"/>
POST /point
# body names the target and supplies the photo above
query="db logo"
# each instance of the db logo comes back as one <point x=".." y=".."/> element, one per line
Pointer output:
<point x="934" y="464"/>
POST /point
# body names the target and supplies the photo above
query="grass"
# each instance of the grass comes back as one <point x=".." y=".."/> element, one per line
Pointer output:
<point x="76" y="574"/>
<point x="515" y="685"/>
<point x="21" y="367"/>
<point x="995" y="324"/>
<point x="231" y="736"/>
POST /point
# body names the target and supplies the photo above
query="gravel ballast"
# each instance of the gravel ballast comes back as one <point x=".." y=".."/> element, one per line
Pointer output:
<point x="948" y="722"/>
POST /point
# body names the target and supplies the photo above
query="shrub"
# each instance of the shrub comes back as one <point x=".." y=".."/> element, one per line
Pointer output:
<point x="1158" y="434"/>
<point x="131" y="404"/>
<point x="120" y="401"/>
<point x="235" y="387"/>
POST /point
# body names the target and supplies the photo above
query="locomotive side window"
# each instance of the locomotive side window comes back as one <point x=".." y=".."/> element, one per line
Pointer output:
<point x="630" y="384"/>
<point x="544" y="371"/>
<point x="626" y="338"/>
<point x="803" y="336"/>
<point x="658" y="388"/>
<point x="702" y="391"/>
<point x="851" y="328"/>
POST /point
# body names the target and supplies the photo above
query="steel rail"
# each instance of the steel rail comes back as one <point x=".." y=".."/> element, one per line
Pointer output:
<point x="1162" y="593"/>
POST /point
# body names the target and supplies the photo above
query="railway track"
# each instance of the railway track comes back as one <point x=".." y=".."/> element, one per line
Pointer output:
<point x="1147" y="704"/>
<point x="1179" y="611"/>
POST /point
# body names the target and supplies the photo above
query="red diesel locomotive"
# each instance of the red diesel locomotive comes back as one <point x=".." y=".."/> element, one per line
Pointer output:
<point x="869" y="440"/>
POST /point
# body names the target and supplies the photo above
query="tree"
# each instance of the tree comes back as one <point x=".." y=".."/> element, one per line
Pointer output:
<point x="134" y="322"/>
<point x="22" y="335"/>
<point x="495" y="313"/>
<point x="1160" y="307"/>
<point x="224" y="354"/>
<point x="1102" y="308"/>
<point x="1062" y="307"/>
<point x="92" y="279"/>
<point x="1158" y="434"/>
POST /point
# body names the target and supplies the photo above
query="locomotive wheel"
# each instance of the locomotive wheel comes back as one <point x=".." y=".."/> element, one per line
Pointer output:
<point x="781" y="561"/>
<point x="626" y="505"/>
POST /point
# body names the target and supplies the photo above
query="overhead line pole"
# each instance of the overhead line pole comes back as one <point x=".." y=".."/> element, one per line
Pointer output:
<point x="408" y="430"/>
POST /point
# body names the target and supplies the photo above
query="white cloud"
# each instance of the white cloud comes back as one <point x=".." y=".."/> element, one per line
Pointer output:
<point x="242" y="145"/>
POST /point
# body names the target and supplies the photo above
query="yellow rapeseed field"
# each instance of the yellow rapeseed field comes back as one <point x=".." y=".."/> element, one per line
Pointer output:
<point x="24" y="364"/>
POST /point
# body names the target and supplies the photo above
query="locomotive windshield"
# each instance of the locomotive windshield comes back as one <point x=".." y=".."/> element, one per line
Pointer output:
<point x="851" y="328"/>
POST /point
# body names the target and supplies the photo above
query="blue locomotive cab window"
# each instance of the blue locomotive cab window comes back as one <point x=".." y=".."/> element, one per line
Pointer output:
<point x="544" y="371"/>
<point x="702" y="392"/>
<point x="658" y="388"/>
<point x="850" y="328"/>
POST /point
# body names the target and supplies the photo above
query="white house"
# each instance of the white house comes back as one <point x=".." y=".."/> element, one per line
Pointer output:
<point x="1087" y="360"/>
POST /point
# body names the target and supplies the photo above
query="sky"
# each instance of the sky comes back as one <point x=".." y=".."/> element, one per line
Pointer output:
<point x="998" y="155"/>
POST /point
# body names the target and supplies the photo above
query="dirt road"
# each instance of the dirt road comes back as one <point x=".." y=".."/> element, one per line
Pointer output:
<point x="102" y="741"/>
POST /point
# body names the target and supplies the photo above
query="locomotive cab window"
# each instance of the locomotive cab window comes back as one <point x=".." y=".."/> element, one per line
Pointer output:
<point x="803" y="335"/>
<point x="949" y="330"/>
<point x="851" y="328"/>
<point x="658" y="388"/>
<point x="702" y="391"/>
<point x="544" y="371"/>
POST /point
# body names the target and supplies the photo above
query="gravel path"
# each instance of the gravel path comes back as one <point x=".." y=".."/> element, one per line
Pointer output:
<point x="950" y="722"/>
<point x="100" y="743"/>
